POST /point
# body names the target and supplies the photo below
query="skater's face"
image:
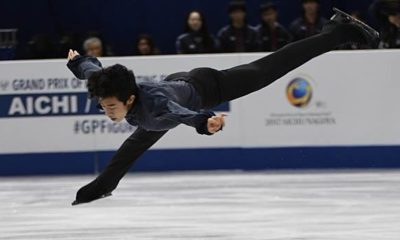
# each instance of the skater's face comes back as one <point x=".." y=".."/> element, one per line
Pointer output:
<point x="269" y="16"/>
<point x="115" y="109"/>
<point x="194" y="21"/>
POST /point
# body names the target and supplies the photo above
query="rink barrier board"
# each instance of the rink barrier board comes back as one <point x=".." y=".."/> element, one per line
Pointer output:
<point x="248" y="159"/>
<point x="353" y="106"/>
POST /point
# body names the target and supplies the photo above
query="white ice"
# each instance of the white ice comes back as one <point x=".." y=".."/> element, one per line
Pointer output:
<point x="217" y="205"/>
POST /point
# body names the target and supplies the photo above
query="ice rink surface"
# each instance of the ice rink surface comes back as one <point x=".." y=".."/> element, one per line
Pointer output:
<point x="217" y="205"/>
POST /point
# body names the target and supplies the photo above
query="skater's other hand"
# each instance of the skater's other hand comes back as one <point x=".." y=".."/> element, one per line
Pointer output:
<point x="72" y="54"/>
<point x="216" y="123"/>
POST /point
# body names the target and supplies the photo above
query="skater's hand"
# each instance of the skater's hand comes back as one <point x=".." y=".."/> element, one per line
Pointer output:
<point x="216" y="123"/>
<point x="90" y="192"/>
<point x="72" y="54"/>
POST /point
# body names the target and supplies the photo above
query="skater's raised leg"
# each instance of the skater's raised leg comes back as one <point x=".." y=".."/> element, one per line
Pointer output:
<point x="245" y="79"/>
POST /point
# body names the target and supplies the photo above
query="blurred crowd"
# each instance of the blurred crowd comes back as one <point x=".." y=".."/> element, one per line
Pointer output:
<point x="237" y="36"/>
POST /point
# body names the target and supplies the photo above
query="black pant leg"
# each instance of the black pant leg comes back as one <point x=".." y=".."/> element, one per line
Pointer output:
<point x="217" y="87"/>
<point x="245" y="79"/>
<point x="206" y="81"/>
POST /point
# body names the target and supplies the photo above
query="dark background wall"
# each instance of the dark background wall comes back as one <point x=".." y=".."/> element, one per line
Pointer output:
<point x="120" y="21"/>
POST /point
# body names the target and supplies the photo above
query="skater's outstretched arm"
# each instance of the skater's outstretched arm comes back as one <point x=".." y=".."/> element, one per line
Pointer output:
<point x="108" y="180"/>
<point x="82" y="66"/>
<point x="205" y="122"/>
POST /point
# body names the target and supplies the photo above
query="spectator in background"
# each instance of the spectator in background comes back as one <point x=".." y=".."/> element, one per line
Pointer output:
<point x="272" y="35"/>
<point x="391" y="32"/>
<point x="67" y="41"/>
<point x="310" y="23"/>
<point x="196" y="38"/>
<point x="93" y="47"/>
<point x="145" y="46"/>
<point x="391" y="36"/>
<point x="238" y="36"/>
<point x="354" y="46"/>
<point x="388" y="14"/>
<point x="41" y="47"/>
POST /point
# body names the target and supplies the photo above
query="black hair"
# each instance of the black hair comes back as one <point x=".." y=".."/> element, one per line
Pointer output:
<point x="114" y="81"/>
<point x="208" y="41"/>
<point x="305" y="1"/>
<point x="237" y="5"/>
<point x="149" y="40"/>
<point x="267" y="6"/>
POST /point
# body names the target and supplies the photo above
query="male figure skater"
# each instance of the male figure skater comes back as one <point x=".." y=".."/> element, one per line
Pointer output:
<point x="156" y="107"/>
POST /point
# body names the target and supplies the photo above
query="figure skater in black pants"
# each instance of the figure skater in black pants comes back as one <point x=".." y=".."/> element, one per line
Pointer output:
<point x="156" y="107"/>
